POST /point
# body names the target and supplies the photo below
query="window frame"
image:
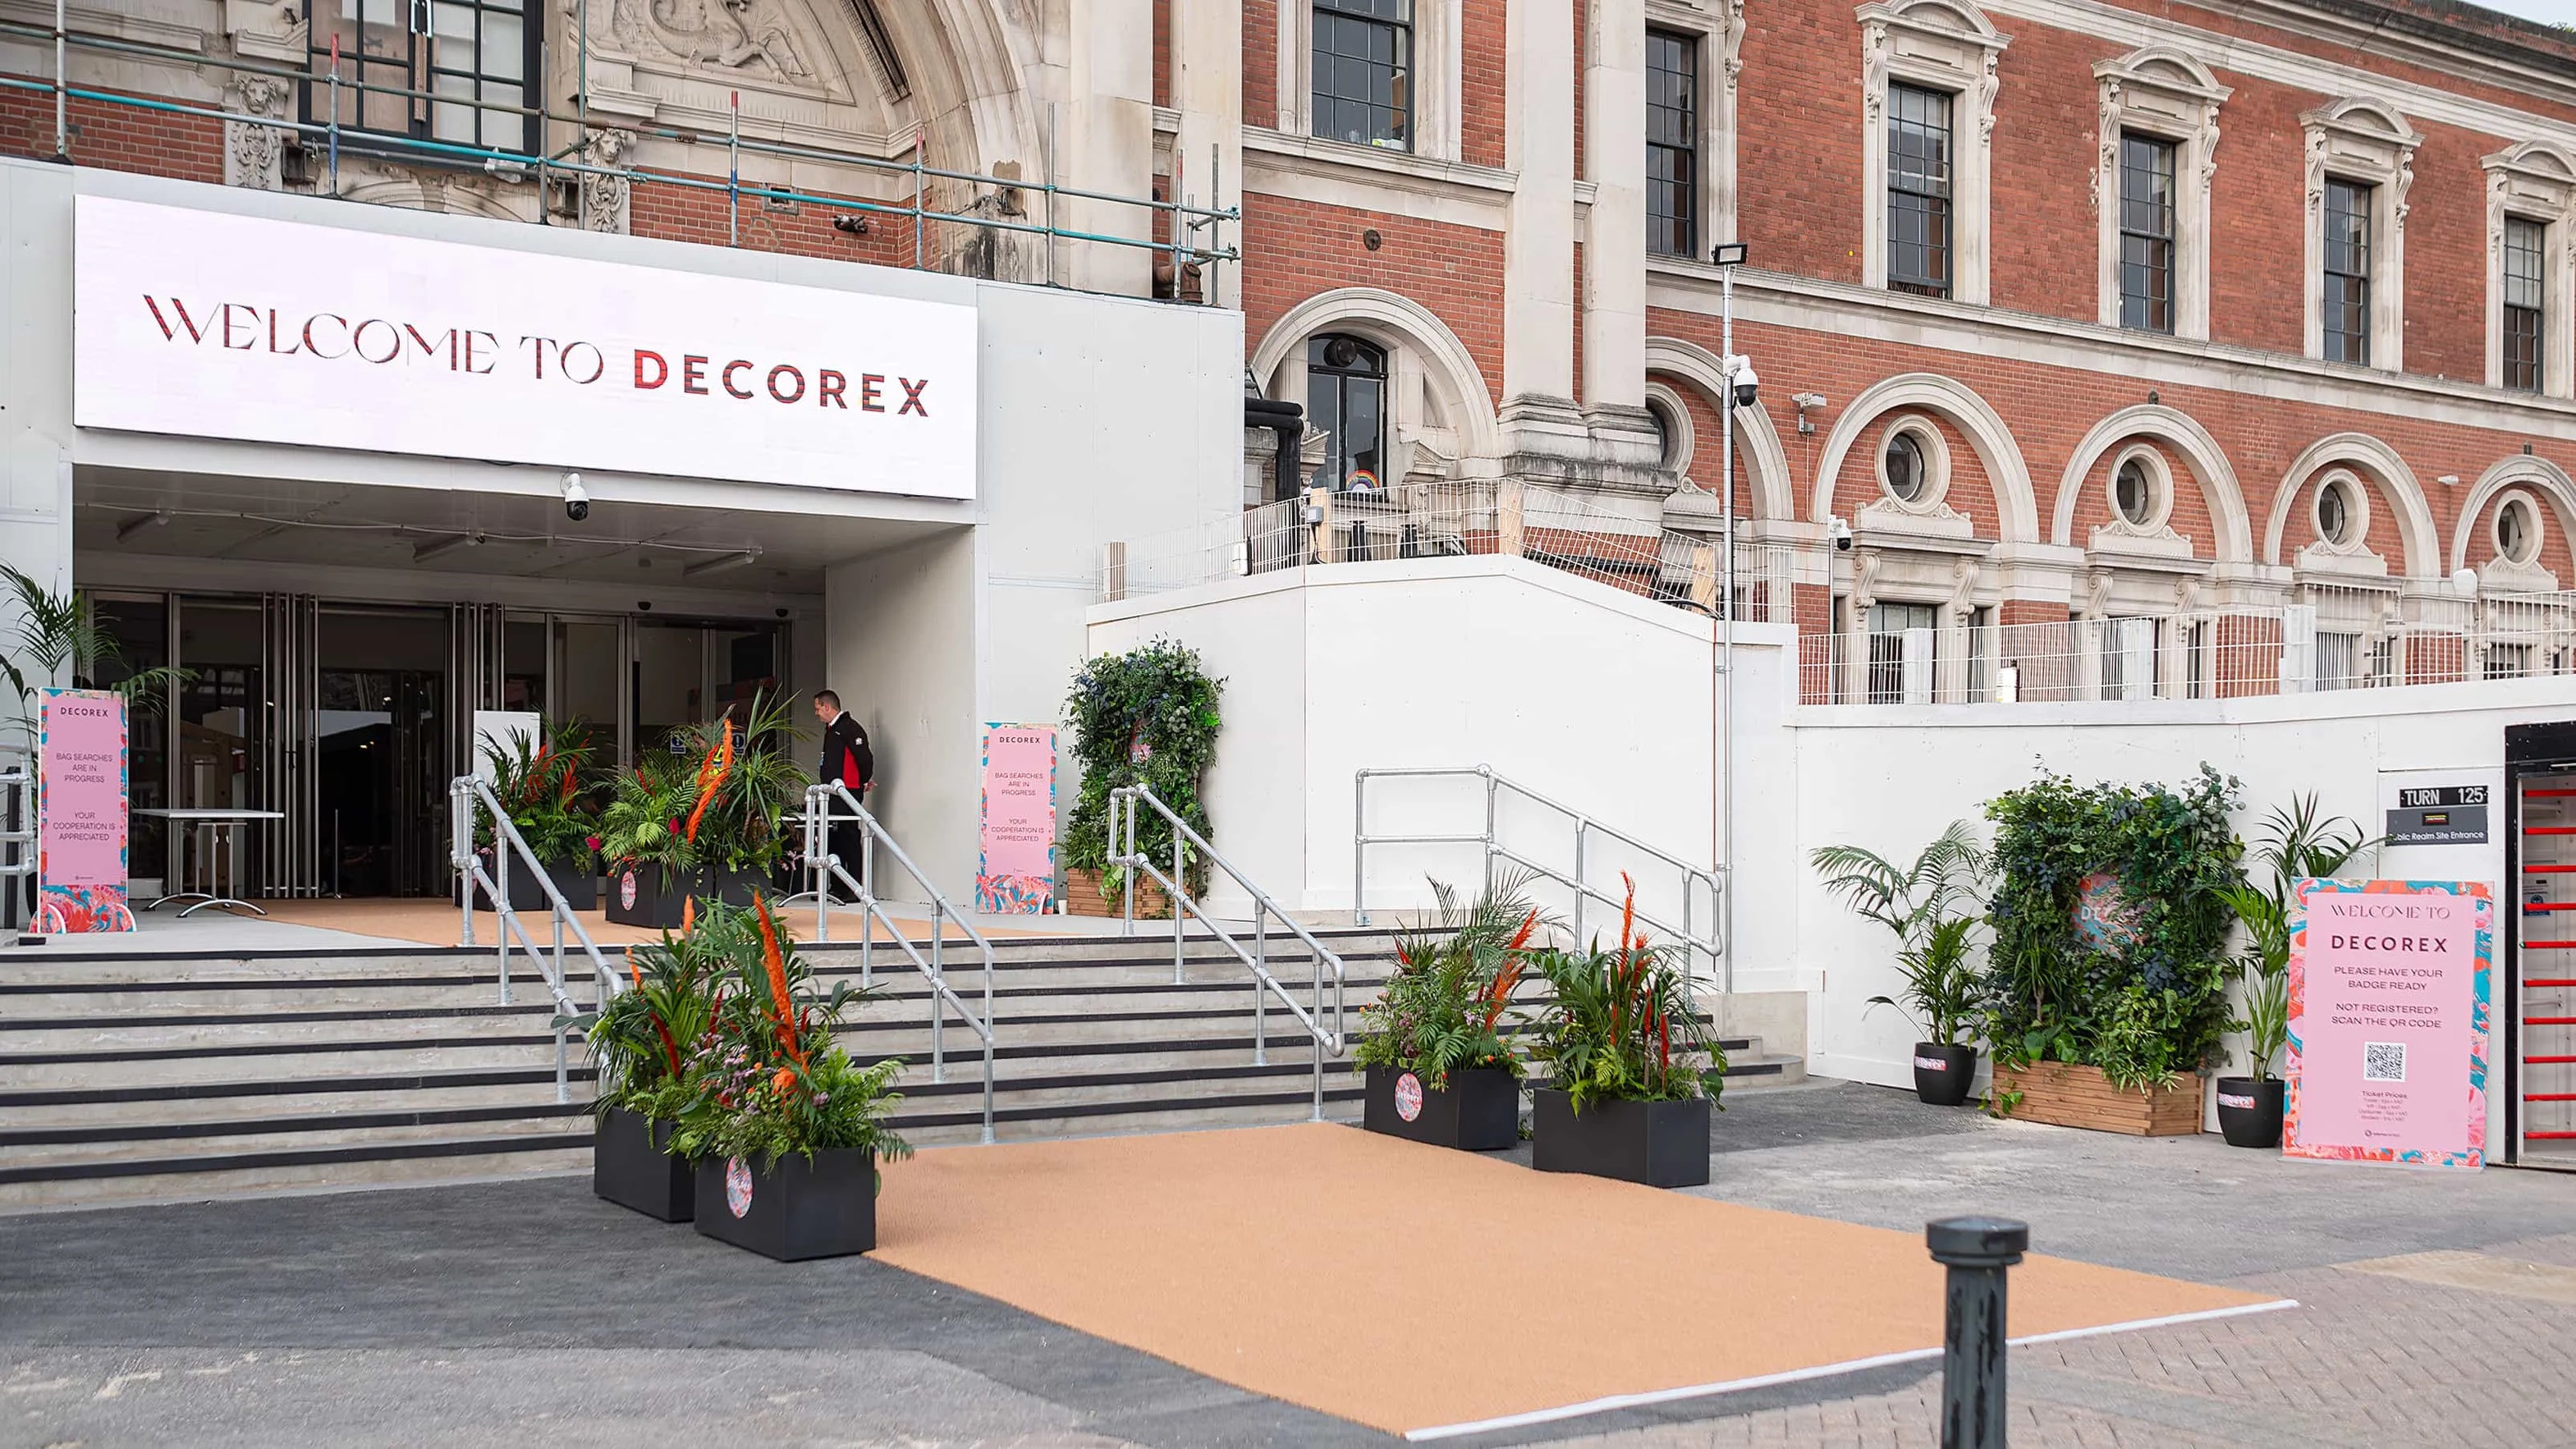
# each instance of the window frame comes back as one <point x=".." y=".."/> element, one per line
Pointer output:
<point x="1934" y="197"/>
<point x="1934" y="45"/>
<point x="1438" y="81"/>
<point x="421" y="72"/>
<point x="2361" y="142"/>
<point x="1337" y="450"/>
<point x="2534" y="184"/>
<point x="2345" y="269"/>
<point x="2163" y="245"/>
<point x="1402" y="70"/>
<point x="2525" y="324"/>
<point x="1692" y="162"/>
<point x="2165" y="94"/>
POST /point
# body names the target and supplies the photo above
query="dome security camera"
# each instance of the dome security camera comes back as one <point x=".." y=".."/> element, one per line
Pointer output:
<point x="1747" y="383"/>
<point x="1841" y="534"/>
<point x="576" y="498"/>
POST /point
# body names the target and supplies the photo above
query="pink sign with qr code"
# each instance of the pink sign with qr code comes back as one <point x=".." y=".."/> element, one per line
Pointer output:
<point x="2389" y="1014"/>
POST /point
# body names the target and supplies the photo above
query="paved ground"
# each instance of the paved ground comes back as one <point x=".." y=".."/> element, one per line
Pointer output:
<point x="501" y="1313"/>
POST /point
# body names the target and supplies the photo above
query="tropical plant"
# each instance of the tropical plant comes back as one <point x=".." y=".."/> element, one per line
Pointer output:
<point x="1941" y="985"/>
<point x="1623" y="1025"/>
<point x="1443" y="1006"/>
<point x="60" y="635"/>
<point x="2297" y="845"/>
<point x="765" y="1078"/>
<point x="1149" y="717"/>
<point x="540" y="780"/>
<point x="643" y="1038"/>
<point x="723" y="802"/>
<point x="1908" y="900"/>
<point x="2110" y="926"/>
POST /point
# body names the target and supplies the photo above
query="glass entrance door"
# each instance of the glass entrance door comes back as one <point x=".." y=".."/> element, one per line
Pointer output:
<point x="382" y="730"/>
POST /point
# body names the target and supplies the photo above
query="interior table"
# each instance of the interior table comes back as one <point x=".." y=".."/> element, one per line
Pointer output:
<point x="221" y="830"/>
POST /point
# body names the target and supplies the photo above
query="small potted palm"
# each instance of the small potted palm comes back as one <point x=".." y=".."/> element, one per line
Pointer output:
<point x="1939" y="997"/>
<point x="1633" y="1071"/>
<point x="1933" y="941"/>
<point x="642" y="1040"/>
<point x="787" y="1132"/>
<point x="2296" y="846"/>
<point x="1438" y="1068"/>
<point x="541" y="781"/>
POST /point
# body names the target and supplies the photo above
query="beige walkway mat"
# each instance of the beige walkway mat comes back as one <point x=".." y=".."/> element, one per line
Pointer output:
<point x="1412" y="1288"/>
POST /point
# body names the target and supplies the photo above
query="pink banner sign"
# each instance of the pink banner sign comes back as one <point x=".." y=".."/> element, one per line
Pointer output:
<point x="2389" y="1013"/>
<point x="80" y="813"/>
<point x="1017" y="876"/>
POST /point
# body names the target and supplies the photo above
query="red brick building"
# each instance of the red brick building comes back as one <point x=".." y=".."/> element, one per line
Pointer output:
<point x="2104" y="310"/>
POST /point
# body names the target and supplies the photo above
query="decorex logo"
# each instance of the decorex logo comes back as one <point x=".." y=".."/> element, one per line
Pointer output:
<point x="382" y="342"/>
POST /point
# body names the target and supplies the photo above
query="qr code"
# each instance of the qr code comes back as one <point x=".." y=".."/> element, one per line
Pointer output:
<point x="2383" y="1061"/>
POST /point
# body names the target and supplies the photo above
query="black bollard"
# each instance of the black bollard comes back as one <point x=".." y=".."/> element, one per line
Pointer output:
<point x="1976" y="1251"/>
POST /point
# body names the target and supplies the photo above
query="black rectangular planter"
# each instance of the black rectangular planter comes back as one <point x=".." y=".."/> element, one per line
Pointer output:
<point x="649" y="896"/>
<point x="1661" y="1144"/>
<point x="825" y="1207"/>
<point x="1479" y="1111"/>
<point x="629" y="1168"/>
<point x="578" y="883"/>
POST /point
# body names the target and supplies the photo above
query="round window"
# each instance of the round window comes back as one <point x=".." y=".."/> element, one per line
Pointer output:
<point x="2133" y="492"/>
<point x="2517" y="530"/>
<point x="2335" y="511"/>
<point x="1905" y="469"/>
<point x="1664" y="431"/>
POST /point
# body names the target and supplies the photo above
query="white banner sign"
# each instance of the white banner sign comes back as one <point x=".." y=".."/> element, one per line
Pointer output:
<point x="208" y="324"/>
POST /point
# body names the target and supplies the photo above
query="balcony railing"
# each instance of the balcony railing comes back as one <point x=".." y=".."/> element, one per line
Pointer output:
<point x="1185" y="239"/>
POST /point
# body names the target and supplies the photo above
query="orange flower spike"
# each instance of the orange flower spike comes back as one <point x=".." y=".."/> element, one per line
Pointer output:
<point x="1520" y="938"/>
<point x="785" y="1079"/>
<point x="707" y="787"/>
<point x="777" y="963"/>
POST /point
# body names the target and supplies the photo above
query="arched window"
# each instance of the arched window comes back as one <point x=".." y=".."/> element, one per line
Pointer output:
<point x="1346" y="401"/>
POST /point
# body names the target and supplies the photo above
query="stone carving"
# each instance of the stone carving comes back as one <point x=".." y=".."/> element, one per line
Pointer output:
<point x="724" y="34"/>
<point x="253" y="153"/>
<point x="1873" y="69"/>
<point x="605" y="194"/>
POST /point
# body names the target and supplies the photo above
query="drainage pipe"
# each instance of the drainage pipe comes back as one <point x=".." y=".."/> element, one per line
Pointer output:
<point x="1288" y="422"/>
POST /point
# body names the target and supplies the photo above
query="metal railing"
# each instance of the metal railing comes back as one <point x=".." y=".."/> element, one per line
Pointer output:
<point x="1631" y="552"/>
<point x="1123" y="803"/>
<point x="18" y="838"/>
<point x="2342" y="640"/>
<point x="820" y="817"/>
<point x="471" y="797"/>
<point x="1181" y="221"/>
<point x="1695" y="941"/>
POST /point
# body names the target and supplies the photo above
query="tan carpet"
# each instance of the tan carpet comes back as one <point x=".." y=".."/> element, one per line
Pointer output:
<point x="1408" y="1287"/>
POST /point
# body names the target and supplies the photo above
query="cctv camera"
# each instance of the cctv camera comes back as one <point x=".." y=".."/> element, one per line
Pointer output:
<point x="850" y="225"/>
<point x="1841" y="534"/>
<point x="1747" y="382"/>
<point x="576" y="498"/>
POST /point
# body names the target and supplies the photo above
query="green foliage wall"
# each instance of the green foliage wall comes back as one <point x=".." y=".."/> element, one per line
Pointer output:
<point x="1148" y="716"/>
<point x="2148" y="997"/>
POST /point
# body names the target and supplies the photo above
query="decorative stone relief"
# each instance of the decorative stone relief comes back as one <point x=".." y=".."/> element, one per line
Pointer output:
<point x="605" y="197"/>
<point x="252" y="153"/>
<point x="748" y="35"/>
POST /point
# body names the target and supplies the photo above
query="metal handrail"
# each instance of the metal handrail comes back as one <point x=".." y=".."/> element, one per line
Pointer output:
<point x="819" y="819"/>
<point x="468" y="794"/>
<point x="1693" y="942"/>
<point x="1122" y="808"/>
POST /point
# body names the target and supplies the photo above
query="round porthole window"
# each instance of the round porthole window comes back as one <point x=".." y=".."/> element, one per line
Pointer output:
<point x="2133" y="492"/>
<point x="1664" y="432"/>
<point x="1907" y="474"/>
<point x="2517" y="530"/>
<point x="2338" y="514"/>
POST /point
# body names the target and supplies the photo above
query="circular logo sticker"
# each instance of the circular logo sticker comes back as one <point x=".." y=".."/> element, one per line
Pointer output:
<point x="626" y="890"/>
<point x="1408" y="1096"/>
<point x="737" y="1185"/>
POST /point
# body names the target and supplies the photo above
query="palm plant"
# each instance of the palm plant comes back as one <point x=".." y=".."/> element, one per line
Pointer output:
<point x="1442" y="1007"/>
<point x="59" y="634"/>
<point x="1624" y="1025"/>
<point x="2297" y="845"/>
<point x="539" y="780"/>
<point x="1908" y="900"/>
<point x="1940" y="985"/>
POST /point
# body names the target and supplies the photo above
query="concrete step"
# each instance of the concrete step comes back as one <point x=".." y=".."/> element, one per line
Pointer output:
<point x="309" y="1059"/>
<point x="62" y="1150"/>
<point x="130" y="1109"/>
<point x="190" y="1176"/>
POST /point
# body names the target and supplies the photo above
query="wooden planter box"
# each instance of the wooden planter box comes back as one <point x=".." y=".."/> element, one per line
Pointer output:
<point x="1084" y="897"/>
<point x="2071" y="1096"/>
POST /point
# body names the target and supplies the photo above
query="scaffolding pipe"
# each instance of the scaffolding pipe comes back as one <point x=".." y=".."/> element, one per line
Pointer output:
<point x="62" y="82"/>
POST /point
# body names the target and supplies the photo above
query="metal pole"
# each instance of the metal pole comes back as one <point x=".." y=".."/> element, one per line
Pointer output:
<point x="1180" y="918"/>
<point x="816" y="833"/>
<point x="62" y="83"/>
<point x="1260" y="971"/>
<point x="1127" y="859"/>
<point x="1977" y="1251"/>
<point x="1359" y="847"/>
<point x="733" y="173"/>
<point x="988" y="1044"/>
<point x="920" y="139"/>
<point x="335" y="113"/>
<point x="501" y="901"/>
<point x="867" y="910"/>
<point x="1582" y="883"/>
<point x="1317" y="958"/>
<point x="1726" y="615"/>
<point x="938" y="981"/>
<point x="460" y="854"/>
<point x="1493" y="792"/>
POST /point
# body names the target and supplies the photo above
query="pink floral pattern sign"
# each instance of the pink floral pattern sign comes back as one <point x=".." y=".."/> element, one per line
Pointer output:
<point x="80" y="813"/>
<point x="2390" y="1011"/>
<point x="1016" y="876"/>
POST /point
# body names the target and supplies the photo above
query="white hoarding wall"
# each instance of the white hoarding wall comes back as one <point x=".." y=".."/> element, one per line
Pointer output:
<point x="221" y="325"/>
<point x="1602" y="700"/>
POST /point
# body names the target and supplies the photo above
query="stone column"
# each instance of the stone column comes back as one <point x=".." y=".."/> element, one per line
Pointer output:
<point x="1207" y="89"/>
<point x="1540" y="421"/>
<point x="1109" y="141"/>
<point x="1614" y="240"/>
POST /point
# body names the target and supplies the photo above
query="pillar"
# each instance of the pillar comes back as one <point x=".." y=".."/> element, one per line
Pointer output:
<point x="1108" y="143"/>
<point x="1614" y="240"/>
<point x="1207" y="89"/>
<point x="1539" y="415"/>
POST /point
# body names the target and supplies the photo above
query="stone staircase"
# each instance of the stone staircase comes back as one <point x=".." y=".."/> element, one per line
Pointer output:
<point x="129" y="1077"/>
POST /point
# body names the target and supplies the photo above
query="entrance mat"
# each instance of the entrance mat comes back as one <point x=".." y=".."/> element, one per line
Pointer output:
<point x="1430" y="1292"/>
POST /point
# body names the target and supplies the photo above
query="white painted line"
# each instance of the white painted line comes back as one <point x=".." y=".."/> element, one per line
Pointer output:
<point x="1819" y="1371"/>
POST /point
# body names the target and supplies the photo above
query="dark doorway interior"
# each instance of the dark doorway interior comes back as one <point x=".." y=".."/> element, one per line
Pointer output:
<point x="384" y="742"/>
